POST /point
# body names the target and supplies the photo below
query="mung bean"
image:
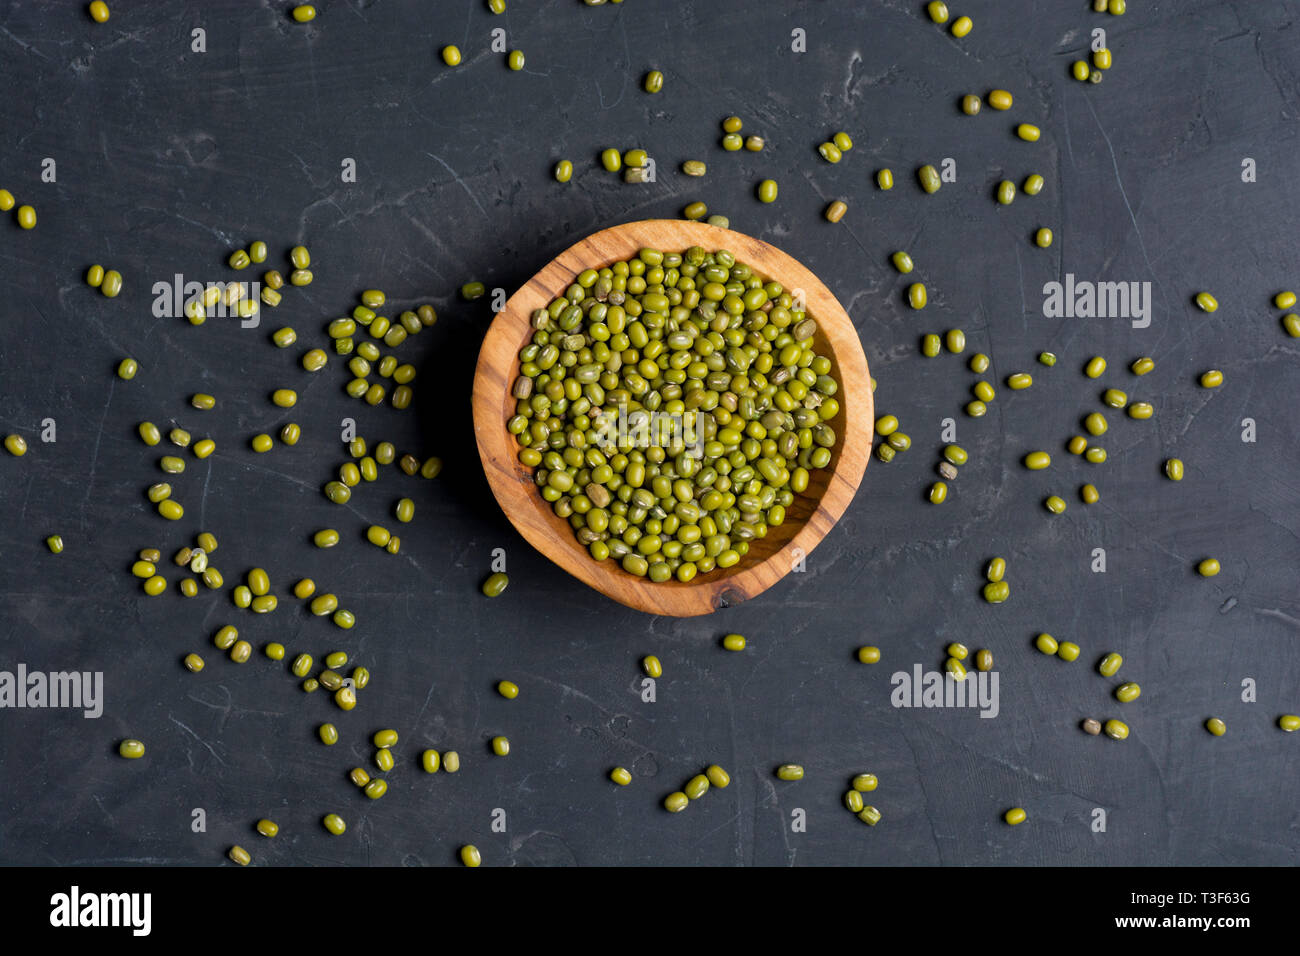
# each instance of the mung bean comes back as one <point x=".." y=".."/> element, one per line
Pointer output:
<point x="1128" y="692"/>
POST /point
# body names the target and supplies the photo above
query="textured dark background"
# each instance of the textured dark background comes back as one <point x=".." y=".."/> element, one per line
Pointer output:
<point x="168" y="160"/>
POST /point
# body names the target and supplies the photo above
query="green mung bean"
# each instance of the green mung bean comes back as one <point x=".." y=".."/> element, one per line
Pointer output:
<point x="996" y="592"/>
<point x="1127" y="692"/>
<point x="696" y="787"/>
<point x="676" y="802"/>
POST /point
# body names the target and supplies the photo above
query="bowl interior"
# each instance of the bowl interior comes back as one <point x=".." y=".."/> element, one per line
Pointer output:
<point x="808" y="517"/>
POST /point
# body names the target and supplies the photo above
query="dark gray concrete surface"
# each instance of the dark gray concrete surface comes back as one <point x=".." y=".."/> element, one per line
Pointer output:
<point x="168" y="159"/>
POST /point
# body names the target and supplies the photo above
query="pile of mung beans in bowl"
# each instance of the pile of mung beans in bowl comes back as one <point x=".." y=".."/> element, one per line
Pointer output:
<point x="665" y="423"/>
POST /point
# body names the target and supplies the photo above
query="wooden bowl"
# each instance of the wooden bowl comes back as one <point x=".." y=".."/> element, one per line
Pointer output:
<point x="809" y="517"/>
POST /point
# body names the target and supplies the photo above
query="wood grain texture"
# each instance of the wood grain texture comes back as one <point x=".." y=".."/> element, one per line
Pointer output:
<point x="809" y="517"/>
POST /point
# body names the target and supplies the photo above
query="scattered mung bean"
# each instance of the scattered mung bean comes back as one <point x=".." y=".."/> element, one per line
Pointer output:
<point x="997" y="592"/>
<point x="1128" y="692"/>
